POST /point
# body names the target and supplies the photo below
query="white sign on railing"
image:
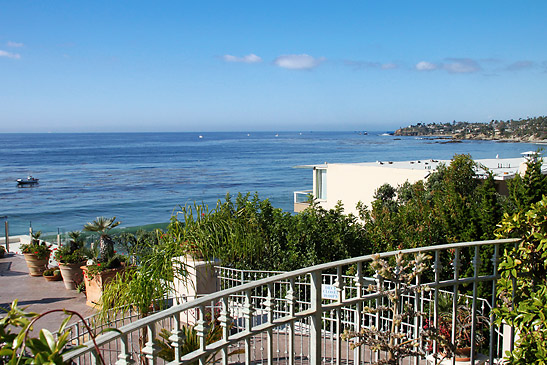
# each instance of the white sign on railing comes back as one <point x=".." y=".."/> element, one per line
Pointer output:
<point x="329" y="292"/>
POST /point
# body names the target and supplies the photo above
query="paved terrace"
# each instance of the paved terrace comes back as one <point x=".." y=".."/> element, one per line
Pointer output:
<point x="36" y="293"/>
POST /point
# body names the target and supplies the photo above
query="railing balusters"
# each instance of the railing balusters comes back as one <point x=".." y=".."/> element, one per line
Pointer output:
<point x="437" y="271"/>
<point x="150" y="349"/>
<point x="124" y="358"/>
<point x="379" y="285"/>
<point x="339" y="284"/>
<point x="495" y="263"/>
<point x="201" y="330"/>
<point x="176" y="333"/>
<point x="252" y="314"/>
<point x="315" y="328"/>
<point x="269" y="305"/>
<point x="291" y="300"/>
<point x="476" y="267"/>
<point x="247" y="314"/>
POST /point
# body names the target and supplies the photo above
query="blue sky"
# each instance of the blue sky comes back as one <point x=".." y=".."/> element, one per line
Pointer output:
<point x="105" y="66"/>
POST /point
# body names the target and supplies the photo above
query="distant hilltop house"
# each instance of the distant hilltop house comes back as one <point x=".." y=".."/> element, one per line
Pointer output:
<point x="354" y="182"/>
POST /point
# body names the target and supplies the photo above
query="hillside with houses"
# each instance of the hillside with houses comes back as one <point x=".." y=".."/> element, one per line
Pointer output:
<point x="521" y="130"/>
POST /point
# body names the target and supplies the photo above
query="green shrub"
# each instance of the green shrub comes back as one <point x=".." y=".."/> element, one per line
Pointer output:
<point x="522" y="288"/>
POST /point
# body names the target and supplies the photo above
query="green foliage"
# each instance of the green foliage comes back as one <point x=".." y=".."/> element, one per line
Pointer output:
<point x="67" y="255"/>
<point x="522" y="288"/>
<point x="251" y="234"/>
<point x="190" y="341"/>
<point x="144" y="286"/>
<point x="39" y="249"/>
<point x="115" y="262"/>
<point x="45" y="349"/>
<point x="103" y="226"/>
<point x="528" y="189"/>
<point x="54" y="271"/>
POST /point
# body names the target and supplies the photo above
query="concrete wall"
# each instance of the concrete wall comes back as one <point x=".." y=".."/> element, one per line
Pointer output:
<point x="352" y="183"/>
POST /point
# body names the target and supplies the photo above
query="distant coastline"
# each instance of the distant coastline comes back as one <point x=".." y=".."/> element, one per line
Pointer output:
<point x="530" y="130"/>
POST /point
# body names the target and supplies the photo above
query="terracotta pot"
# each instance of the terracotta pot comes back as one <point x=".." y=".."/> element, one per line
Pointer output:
<point x="72" y="274"/>
<point x="36" y="267"/>
<point x="94" y="287"/>
<point x="53" y="277"/>
<point x="463" y="354"/>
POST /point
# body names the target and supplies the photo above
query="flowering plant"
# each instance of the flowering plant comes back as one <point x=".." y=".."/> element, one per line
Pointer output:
<point x="116" y="262"/>
<point x="65" y="255"/>
<point x="40" y="250"/>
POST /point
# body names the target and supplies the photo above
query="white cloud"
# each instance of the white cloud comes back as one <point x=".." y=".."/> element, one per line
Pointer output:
<point x="15" y="44"/>
<point x="298" y="61"/>
<point x="521" y="65"/>
<point x="15" y="56"/>
<point x="389" y="66"/>
<point x="426" y="66"/>
<point x="461" y="65"/>
<point x="250" y="58"/>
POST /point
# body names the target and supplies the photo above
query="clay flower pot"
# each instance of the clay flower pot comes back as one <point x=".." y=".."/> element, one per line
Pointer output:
<point x="36" y="267"/>
<point x="94" y="286"/>
<point x="463" y="354"/>
<point x="72" y="274"/>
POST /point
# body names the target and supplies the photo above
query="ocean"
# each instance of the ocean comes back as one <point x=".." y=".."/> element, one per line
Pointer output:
<point x="142" y="178"/>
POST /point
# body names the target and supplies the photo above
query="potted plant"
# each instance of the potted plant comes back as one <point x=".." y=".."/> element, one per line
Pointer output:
<point x="98" y="274"/>
<point x="71" y="257"/>
<point x="107" y="264"/>
<point x="36" y="255"/>
<point x="461" y="347"/>
<point x="52" y="274"/>
<point x="2" y="251"/>
<point x="103" y="225"/>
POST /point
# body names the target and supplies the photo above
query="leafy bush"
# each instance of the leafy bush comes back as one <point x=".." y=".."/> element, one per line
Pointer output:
<point x="40" y="250"/>
<point x="522" y="288"/>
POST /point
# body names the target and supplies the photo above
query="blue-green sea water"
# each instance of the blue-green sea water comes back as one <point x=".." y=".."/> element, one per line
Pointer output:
<point x="141" y="178"/>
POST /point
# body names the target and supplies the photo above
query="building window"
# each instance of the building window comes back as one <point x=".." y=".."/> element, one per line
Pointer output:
<point x="321" y="184"/>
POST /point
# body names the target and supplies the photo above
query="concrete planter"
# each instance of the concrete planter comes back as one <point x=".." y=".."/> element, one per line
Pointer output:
<point x="201" y="280"/>
<point x="36" y="267"/>
<point x="72" y="274"/>
<point x="94" y="287"/>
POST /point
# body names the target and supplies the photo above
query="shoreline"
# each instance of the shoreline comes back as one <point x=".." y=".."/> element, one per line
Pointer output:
<point x="455" y="137"/>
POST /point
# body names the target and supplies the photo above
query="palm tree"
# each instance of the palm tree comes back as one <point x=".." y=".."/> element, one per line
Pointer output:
<point x="103" y="225"/>
<point x="76" y="240"/>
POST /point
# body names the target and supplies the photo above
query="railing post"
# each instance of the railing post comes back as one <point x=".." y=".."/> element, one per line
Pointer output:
<point x="201" y="330"/>
<point x="175" y="338"/>
<point x="437" y="270"/>
<point x="456" y="264"/>
<point x="476" y="267"/>
<point x="269" y="304"/>
<point x="150" y="349"/>
<point x="291" y="300"/>
<point x="317" y="311"/>
<point x="339" y="284"/>
<point x="247" y="314"/>
<point x="495" y="263"/>
<point x="358" y="309"/>
<point x="124" y="358"/>
<point x="379" y="301"/>
<point x="224" y="319"/>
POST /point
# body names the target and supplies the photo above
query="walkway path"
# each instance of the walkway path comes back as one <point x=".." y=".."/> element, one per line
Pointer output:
<point x="37" y="294"/>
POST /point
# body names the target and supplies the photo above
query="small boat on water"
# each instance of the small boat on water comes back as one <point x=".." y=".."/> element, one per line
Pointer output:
<point x="29" y="181"/>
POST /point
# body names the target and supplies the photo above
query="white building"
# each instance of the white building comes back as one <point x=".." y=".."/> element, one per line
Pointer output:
<point x="354" y="182"/>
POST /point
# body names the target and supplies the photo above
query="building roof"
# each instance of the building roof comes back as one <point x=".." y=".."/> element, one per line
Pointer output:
<point x="502" y="169"/>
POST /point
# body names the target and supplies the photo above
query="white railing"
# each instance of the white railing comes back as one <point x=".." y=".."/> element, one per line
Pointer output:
<point x="302" y="196"/>
<point x="284" y="319"/>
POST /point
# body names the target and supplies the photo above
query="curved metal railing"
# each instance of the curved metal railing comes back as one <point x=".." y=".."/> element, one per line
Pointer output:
<point x="297" y="317"/>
